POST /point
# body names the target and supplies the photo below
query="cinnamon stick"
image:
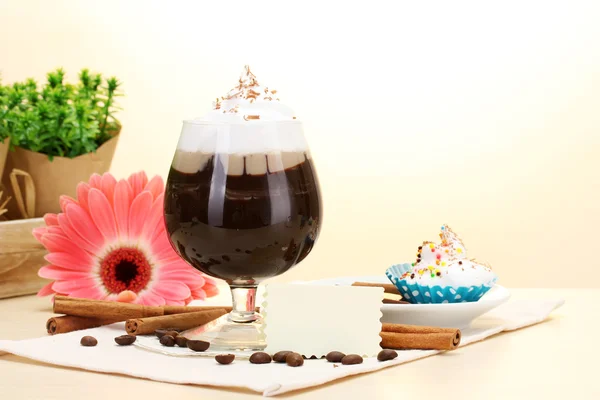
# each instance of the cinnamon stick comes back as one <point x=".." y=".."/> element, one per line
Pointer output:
<point x="392" y="301"/>
<point x="404" y="337"/>
<point x="103" y="309"/>
<point x="169" y="310"/>
<point x="122" y="311"/>
<point x="387" y="287"/>
<point x="70" y="323"/>
<point x="401" y="328"/>
<point x="143" y="326"/>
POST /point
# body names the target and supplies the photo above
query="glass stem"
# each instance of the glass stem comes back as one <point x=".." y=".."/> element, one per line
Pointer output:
<point x="243" y="300"/>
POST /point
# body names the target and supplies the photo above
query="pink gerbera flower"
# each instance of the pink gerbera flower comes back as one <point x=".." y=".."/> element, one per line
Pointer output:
<point x="111" y="244"/>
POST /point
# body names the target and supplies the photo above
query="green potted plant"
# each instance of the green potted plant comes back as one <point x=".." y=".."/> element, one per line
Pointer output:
<point x="5" y="107"/>
<point x="60" y="134"/>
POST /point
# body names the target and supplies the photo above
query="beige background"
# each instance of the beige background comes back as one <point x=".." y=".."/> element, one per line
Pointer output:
<point x="484" y="117"/>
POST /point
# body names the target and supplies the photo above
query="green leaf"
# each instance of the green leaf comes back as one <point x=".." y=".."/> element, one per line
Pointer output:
<point x="59" y="118"/>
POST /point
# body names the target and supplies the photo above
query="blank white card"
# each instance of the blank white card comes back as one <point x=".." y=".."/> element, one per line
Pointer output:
<point x="314" y="319"/>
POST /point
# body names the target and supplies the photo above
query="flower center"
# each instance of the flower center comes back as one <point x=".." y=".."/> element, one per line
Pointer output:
<point x="125" y="269"/>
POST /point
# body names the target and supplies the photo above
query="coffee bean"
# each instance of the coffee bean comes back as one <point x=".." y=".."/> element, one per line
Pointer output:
<point x="260" y="358"/>
<point x="167" y="340"/>
<point x="125" y="340"/>
<point x="160" y="333"/>
<point x="166" y="331"/>
<point x="351" y="359"/>
<point x="181" y="341"/>
<point x="335" y="356"/>
<point x="225" y="358"/>
<point x="294" y="360"/>
<point x="197" y="345"/>
<point x="88" y="341"/>
<point x="385" y="355"/>
<point x="280" y="356"/>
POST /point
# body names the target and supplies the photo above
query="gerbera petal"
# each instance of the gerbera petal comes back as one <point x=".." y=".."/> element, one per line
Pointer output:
<point x="56" y="230"/>
<point x="83" y="190"/>
<point x="154" y="219"/>
<point x="108" y="183"/>
<point x="179" y="268"/>
<point x="59" y="243"/>
<point x="198" y="294"/>
<point x="92" y="292"/>
<point x="174" y="263"/>
<point x="138" y="213"/>
<point x="96" y="181"/>
<point x="80" y="228"/>
<point x="68" y="261"/>
<point x="149" y="298"/>
<point x="211" y="290"/>
<point x="111" y="297"/>
<point x="162" y="249"/>
<point x="160" y="231"/>
<point x="156" y="186"/>
<point x="189" y="277"/>
<point x="46" y="290"/>
<point x="122" y="201"/>
<point x="55" y="273"/>
<point x="74" y="284"/>
<point x="138" y="181"/>
<point x="65" y="200"/>
<point x="102" y="214"/>
<point x="39" y="232"/>
<point x="160" y="241"/>
<point x="50" y="219"/>
<point x="171" y="290"/>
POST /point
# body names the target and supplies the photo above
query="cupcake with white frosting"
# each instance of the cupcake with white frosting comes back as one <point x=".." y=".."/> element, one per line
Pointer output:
<point x="442" y="273"/>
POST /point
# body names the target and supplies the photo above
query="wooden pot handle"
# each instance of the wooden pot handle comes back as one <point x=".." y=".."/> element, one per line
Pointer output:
<point x="26" y="205"/>
<point x="3" y="203"/>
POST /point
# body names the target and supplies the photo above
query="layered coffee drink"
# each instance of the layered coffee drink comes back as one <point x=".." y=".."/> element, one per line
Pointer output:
<point x="243" y="218"/>
<point x="242" y="201"/>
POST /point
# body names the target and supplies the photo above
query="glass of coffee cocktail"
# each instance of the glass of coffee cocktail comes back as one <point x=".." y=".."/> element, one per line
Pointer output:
<point x="242" y="202"/>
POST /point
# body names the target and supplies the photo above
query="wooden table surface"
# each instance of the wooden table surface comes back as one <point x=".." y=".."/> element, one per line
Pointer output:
<point x="554" y="359"/>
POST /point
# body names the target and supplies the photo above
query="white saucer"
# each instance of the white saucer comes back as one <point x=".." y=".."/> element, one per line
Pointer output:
<point x="451" y="315"/>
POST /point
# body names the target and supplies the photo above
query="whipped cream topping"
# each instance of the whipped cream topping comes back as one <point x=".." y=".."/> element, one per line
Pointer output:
<point x="248" y="120"/>
<point x="249" y="101"/>
<point x="446" y="264"/>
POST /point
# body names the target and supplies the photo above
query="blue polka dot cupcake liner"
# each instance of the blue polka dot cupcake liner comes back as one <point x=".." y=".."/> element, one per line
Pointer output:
<point x="418" y="294"/>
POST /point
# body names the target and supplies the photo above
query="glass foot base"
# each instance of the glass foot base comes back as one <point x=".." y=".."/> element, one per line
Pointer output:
<point x="225" y="335"/>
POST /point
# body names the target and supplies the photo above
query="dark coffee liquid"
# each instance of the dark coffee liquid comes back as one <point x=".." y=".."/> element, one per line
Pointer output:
<point x="243" y="228"/>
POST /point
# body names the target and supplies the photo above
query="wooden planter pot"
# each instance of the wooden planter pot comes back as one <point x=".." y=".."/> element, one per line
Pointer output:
<point x="21" y="256"/>
<point x="37" y="183"/>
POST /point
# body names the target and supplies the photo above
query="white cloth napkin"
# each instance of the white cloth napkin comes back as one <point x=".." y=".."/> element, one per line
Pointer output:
<point x="268" y="379"/>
